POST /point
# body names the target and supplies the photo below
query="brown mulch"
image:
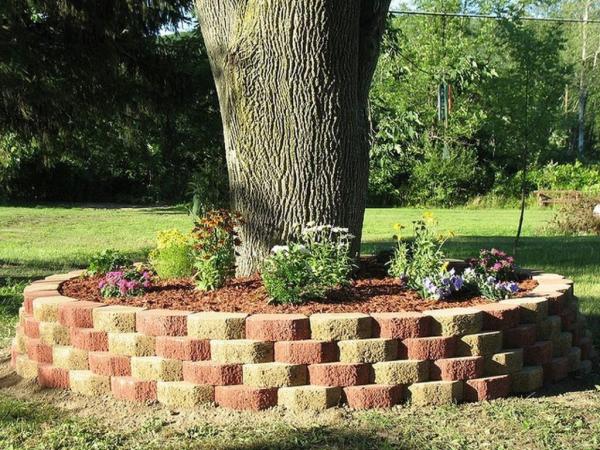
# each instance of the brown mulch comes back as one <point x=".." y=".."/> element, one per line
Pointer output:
<point x="365" y="294"/>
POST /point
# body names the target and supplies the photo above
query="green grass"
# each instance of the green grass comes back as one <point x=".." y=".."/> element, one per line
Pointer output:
<point x="37" y="241"/>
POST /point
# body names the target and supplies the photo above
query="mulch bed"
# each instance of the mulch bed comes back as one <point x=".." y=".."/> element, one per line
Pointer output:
<point x="369" y="292"/>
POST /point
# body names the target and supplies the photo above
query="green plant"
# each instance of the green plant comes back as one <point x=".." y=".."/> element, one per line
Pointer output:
<point x="215" y="239"/>
<point x="129" y="282"/>
<point x="576" y="218"/>
<point x="487" y="285"/>
<point x="107" y="261"/>
<point x="423" y="257"/>
<point x="173" y="256"/>
<point x="315" y="262"/>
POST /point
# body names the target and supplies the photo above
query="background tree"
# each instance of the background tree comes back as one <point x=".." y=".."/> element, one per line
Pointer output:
<point x="293" y="81"/>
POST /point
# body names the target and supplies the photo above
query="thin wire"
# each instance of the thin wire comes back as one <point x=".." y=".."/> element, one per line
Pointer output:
<point x="497" y="17"/>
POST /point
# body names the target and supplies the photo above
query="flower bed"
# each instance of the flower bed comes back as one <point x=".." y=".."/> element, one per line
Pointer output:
<point x="237" y="360"/>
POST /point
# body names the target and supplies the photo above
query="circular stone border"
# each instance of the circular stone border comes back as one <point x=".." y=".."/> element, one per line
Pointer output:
<point x="240" y="361"/>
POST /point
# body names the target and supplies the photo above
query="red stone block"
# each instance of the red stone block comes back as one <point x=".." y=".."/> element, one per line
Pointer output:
<point x="183" y="348"/>
<point x="38" y="351"/>
<point x="587" y="348"/>
<point x="339" y="374"/>
<point x="77" y="314"/>
<point x="305" y="352"/>
<point x="520" y="337"/>
<point x="538" y="353"/>
<point x="53" y="377"/>
<point x="557" y="369"/>
<point x="402" y="325"/>
<point x="245" y="397"/>
<point x="162" y="322"/>
<point x="454" y="369"/>
<point x="557" y="302"/>
<point x="29" y="297"/>
<point x="89" y="339"/>
<point x="568" y="319"/>
<point x="373" y="396"/>
<point x="215" y="374"/>
<point x="31" y="328"/>
<point x="485" y="389"/>
<point x="277" y="327"/>
<point x="13" y="357"/>
<point x="128" y="388"/>
<point x="434" y="347"/>
<point x="499" y="316"/>
<point x="104" y="363"/>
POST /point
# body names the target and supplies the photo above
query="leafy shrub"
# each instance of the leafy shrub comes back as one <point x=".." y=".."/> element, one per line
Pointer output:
<point x="441" y="285"/>
<point x="576" y="218"/>
<point x="494" y="263"/>
<point x="215" y="239"/>
<point x="125" y="283"/>
<point x="317" y="261"/>
<point x="106" y="261"/>
<point x="488" y="285"/>
<point x="420" y="259"/>
<point x="573" y="176"/>
<point x="446" y="181"/>
<point x="173" y="256"/>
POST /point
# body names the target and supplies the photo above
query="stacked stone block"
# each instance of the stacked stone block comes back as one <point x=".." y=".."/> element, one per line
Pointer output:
<point x="184" y="359"/>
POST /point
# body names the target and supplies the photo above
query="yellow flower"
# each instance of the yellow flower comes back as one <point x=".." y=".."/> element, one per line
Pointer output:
<point x="445" y="265"/>
<point x="428" y="216"/>
<point x="171" y="238"/>
<point x="398" y="226"/>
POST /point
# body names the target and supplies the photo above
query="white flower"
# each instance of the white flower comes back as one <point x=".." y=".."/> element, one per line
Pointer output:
<point x="339" y="230"/>
<point x="303" y="249"/>
<point x="279" y="248"/>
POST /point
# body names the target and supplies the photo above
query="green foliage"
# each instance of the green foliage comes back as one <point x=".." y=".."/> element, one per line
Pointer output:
<point x="574" y="176"/>
<point x="421" y="258"/>
<point x="106" y="261"/>
<point x="215" y="240"/>
<point x="317" y="261"/>
<point x="101" y="106"/>
<point x="173" y="256"/>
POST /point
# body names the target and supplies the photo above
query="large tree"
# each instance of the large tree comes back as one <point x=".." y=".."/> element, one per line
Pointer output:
<point x="293" y="80"/>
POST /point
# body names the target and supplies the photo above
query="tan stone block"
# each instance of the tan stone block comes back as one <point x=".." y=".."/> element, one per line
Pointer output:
<point x="435" y="393"/>
<point x="115" y="318"/>
<point x="504" y="363"/>
<point x="87" y="383"/>
<point x="455" y="321"/>
<point x="309" y="398"/>
<point x="26" y="368"/>
<point x="574" y="357"/>
<point x="155" y="368"/>
<point x="182" y="394"/>
<point x="549" y="328"/>
<point x="45" y="309"/>
<point x="131" y="344"/>
<point x="527" y="379"/>
<point x="404" y="371"/>
<point x="275" y="374"/>
<point x="66" y="357"/>
<point x="533" y="309"/>
<point x="241" y="351"/>
<point x="20" y="341"/>
<point x="340" y="326"/>
<point x="53" y="333"/>
<point x="480" y="344"/>
<point x="42" y="286"/>
<point x="562" y="344"/>
<point x="217" y="325"/>
<point x="368" y="350"/>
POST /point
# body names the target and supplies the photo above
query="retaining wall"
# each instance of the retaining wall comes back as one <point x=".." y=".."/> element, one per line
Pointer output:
<point x="240" y="361"/>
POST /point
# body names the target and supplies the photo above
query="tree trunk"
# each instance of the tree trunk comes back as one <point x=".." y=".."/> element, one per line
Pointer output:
<point x="293" y="79"/>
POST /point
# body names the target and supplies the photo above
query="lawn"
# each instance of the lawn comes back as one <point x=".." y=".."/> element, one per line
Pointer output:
<point x="38" y="241"/>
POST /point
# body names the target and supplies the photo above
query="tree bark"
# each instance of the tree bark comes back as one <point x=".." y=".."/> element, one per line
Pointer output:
<point x="293" y="80"/>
